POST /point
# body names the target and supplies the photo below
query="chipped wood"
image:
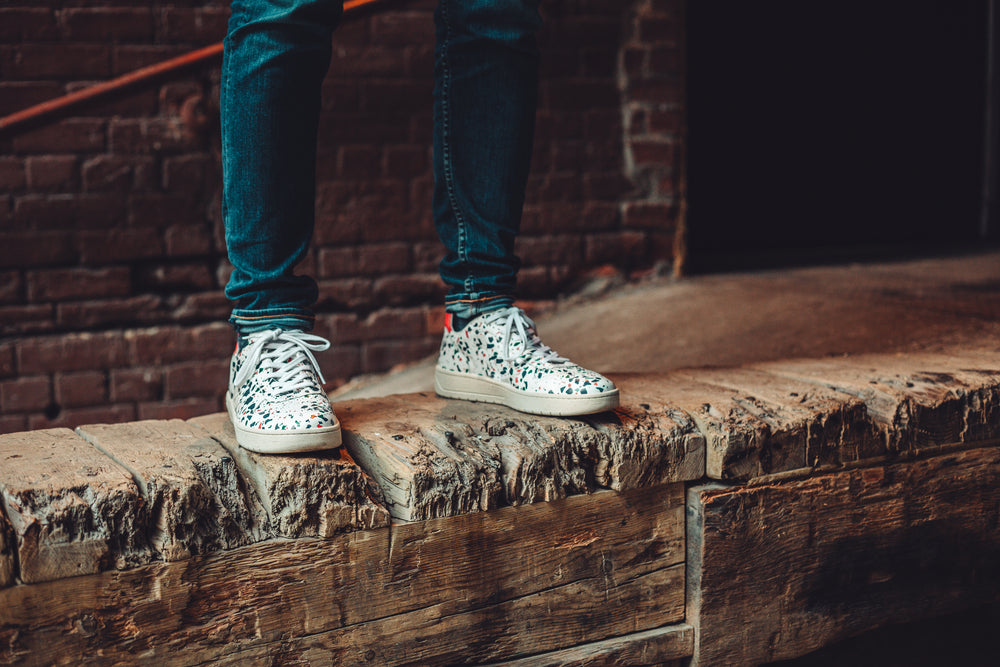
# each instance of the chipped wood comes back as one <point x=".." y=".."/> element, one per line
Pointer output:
<point x="305" y="495"/>
<point x="504" y="579"/>
<point x="663" y="646"/>
<point x="72" y="510"/>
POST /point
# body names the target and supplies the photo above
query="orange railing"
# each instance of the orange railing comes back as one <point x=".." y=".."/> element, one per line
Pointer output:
<point x="66" y="102"/>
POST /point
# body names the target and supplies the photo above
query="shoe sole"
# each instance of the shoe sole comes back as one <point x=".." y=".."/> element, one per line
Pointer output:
<point x="284" y="442"/>
<point x="450" y="384"/>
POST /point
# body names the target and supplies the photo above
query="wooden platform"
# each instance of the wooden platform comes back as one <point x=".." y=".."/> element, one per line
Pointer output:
<point x="721" y="516"/>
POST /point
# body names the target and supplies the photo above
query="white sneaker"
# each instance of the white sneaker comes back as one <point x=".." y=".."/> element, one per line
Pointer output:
<point x="276" y="399"/>
<point x="497" y="357"/>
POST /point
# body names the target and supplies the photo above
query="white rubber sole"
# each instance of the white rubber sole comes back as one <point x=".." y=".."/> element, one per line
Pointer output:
<point x="284" y="442"/>
<point x="450" y="384"/>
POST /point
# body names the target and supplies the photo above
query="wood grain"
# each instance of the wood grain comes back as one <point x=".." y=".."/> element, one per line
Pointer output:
<point x="8" y="555"/>
<point x="305" y="495"/>
<point x="434" y="457"/>
<point x="661" y="646"/>
<point x="73" y="511"/>
<point x="195" y="499"/>
<point x="779" y="570"/>
<point x="508" y="578"/>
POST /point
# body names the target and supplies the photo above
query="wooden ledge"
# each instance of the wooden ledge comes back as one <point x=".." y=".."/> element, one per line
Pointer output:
<point x="118" y="496"/>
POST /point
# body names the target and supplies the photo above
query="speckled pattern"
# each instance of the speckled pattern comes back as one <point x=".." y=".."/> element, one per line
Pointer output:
<point x="504" y="346"/>
<point x="265" y="402"/>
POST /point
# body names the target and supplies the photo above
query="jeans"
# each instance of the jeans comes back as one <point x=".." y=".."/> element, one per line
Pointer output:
<point x="485" y="95"/>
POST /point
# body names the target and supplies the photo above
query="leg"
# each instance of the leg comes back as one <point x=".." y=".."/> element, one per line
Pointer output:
<point x="485" y="95"/>
<point x="276" y="55"/>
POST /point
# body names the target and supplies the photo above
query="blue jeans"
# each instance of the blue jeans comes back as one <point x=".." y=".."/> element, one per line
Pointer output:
<point x="485" y="94"/>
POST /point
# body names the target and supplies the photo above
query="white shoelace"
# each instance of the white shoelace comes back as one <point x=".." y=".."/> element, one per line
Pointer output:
<point x="286" y="355"/>
<point x="516" y="320"/>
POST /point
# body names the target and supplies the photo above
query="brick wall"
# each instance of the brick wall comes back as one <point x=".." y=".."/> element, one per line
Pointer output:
<point x="111" y="254"/>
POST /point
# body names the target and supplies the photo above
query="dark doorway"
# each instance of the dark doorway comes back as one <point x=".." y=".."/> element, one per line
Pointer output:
<point x="833" y="130"/>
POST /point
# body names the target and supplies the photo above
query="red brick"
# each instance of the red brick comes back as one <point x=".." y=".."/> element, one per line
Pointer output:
<point x="23" y="249"/>
<point x="340" y="328"/>
<point x="600" y="215"/>
<point x="77" y="283"/>
<point x="409" y="289"/>
<point x="582" y="94"/>
<point x="559" y="62"/>
<point x="427" y="256"/>
<point x="389" y="323"/>
<point x="12" y="176"/>
<point x="665" y="62"/>
<point x="649" y="215"/>
<point x="654" y="152"/>
<point x="369" y="61"/>
<point x="107" y="23"/>
<point x="51" y="172"/>
<point x="13" y="423"/>
<point x="6" y="360"/>
<point x="155" y="209"/>
<point x="349" y="294"/>
<point x="339" y="96"/>
<point x="136" y="384"/>
<point x="600" y="62"/>
<point x="71" y="135"/>
<point x="26" y="319"/>
<point x="71" y="418"/>
<point x="174" y="95"/>
<point x="535" y="282"/>
<point x="70" y="352"/>
<point x="117" y="173"/>
<point x="207" y="377"/>
<point x="367" y="260"/>
<point x="665" y="122"/>
<point x="358" y="162"/>
<point x="658" y="31"/>
<point x="407" y="162"/>
<point x="175" y="277"/>
<point x="379" y="356"/>
<point x="337" y="128"/>
<point x="143" y="309"/>
<point x="189" y="174"/>
<point x="206" y="306"/>
<point x="200" y="24"/>
<point x="165" y="345"/>
<point x="85" y="388"/>
<point x="575" y="31"/>
<point x="68" y="61"/>
<point x="136" y="102"/>
<point x="21" y="24"/>
<point x="607" y="186"/>
<point x="25" y="394"/>
<point x="625" y="248"/>
<point x="656" y="92"/>
<point x="149" y="135"/>
<point x="395" y="96"/>
<point x="129" y="57"/>
<point x="535" y="251"/>
<point x="399" y="28"/>
<point x="180" y="409"/>
<point x="634" y="59"/>
<point x="68" y="211"/>
<point x="118" y="245"/>
<point x="10" y="286"/>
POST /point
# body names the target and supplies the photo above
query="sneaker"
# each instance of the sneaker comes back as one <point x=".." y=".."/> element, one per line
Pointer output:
<point x="276" y="399"/>
<point x="497" y="357"/>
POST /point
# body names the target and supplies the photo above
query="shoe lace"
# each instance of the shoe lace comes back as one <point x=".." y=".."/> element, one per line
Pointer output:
<point x="287" y="356"/>
<point x="515" y="321"/>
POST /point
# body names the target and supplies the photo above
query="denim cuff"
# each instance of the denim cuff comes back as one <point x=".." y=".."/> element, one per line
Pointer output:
<point x="252" y="321"/>
<point x="477" y="303"/>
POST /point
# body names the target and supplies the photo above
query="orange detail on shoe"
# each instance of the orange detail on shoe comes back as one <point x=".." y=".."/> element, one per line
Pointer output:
<point x="447" y="322"/>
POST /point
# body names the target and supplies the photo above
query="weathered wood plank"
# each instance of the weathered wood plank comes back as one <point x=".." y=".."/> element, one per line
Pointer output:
<point x="650" y="647"/>
<point x="314" y="495"/>
<point x="821" y="425"/>
<point x="565" y="614"/>
<point x="922" y="400"/>
<point x="779" y="570"/>
<point x="72" y="509"/>
<point x="483" y="574"/>
<point x="196" y="500"/>
<point x="435" y="457"/>
<point x="8" y="553"/>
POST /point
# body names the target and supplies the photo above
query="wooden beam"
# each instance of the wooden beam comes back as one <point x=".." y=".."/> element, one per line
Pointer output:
<point x="434" y="457"/>
<point x="472" y="588"/>
<point x="73" y="511"/>
<point x="195" y="499"/>
<point x="305" y="495"/>
<point x="778" y="570"/>
<point x="663" y="646"/>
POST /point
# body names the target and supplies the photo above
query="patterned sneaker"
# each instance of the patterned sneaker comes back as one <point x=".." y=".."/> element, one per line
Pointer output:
<point x="498" y="358"/>
<point x="276" y="398"/>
